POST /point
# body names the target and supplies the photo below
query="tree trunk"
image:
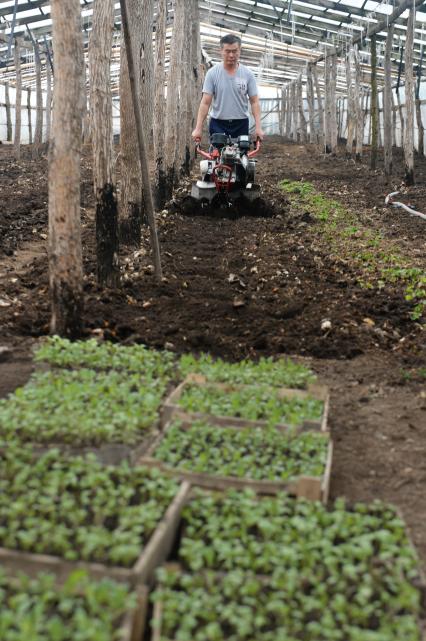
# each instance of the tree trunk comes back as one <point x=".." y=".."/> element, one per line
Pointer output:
<point x="38" y="134"/>
<point x="18" y="100"/>
<point x="409" y="101"/>
<point x="160" y="104"/>
<point x="146" y="73"/>
<point x="101" y="108"/>
<point x="48" y="99"/>
<point x="319" y="107"/>
<point x="311" y="102"/>
<point x="302" y="119"/>
<point x="373" y="110"/>
<point x="30" y="124"/>
<point x="183" y="153"/>
<point x="65" y="253"/>
<point x="172" y="109"/>
<point x="196" y="67"/>
<point x="142" y="148"/>
<point x="350" y="113"/>
<point x="387" y="103"/>
<point x="131" y="180"/>
<point x="8" y="113"/>
<point x="359" y="134"/>
<point x="420" y="127"/>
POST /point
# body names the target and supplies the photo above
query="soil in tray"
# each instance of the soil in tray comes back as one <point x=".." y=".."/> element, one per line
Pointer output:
<point x="77" y="509"/>
<point x="261" y="454"/>
<point x="80" y="609"/>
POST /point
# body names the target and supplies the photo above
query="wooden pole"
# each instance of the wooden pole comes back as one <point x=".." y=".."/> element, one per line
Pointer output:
<point x="288" y="113"/>
<point x="409" y="101"/>
<point x="420" y="127"/>
<point x="30" y="123"/>
<point x="173" y="102"/>
<point x="38" y="134"/>
<point x="65" y="252"/>
<point x="134" y="83"/>
<point x="333" y="119"/>
<point x="48" y="99"/>
<point x="8" y="113"/>
<point x="373" y="110"/>
<point x="319" y="106"/>
<point x="387" y="103"/>
<point x="398" y="97"/>
<point x="302" y="119"/>
<point x="160" y="104"/>
<point x="350" y="113"/>
<point x="311" y="102"/>
<point x="359" y="133"/>
<point x="100" y="47"/>
<point x="18" y="99"/>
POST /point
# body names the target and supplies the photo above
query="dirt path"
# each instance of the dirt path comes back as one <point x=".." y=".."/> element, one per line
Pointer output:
<point x="259" y="286"/>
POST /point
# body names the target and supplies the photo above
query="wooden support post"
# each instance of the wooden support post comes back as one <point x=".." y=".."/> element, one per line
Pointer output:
<point x="148" y="200"/>
<point x="294" y="119"/>
<point x="350" y="112"/>
<point x="282" y="111"/>
<point x="38" y="134"/>
<point x="420" y="127"/>
<point x="359" y="132"/>
<point x="393" y="118"/>
<point x="160" y="104"/>
<point x="65" y="253"/>
<point x="311" y="102"/>
<point x="398" y="97"/>
<point x="197" y="71"/>
<point x="100" y="47"/>
<point x="172" y="109"/>
<point x="30" y="123"/>
<point x="387" y="103"/>
<point x="373" y="110"/>
<point x="18" y="99"/>
<point x="333" y="120"/>
<point x="48" y="99"/>
<point x="409" y="101"/>
<point x="288" y="113"/>
<point x="183" y="153"/>
<point x="300" y="107"/>
<point x="320" y="107"/>
<point x="8" y="113"/>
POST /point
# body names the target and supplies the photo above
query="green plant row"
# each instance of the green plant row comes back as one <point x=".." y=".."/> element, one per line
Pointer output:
<point x="62" y="352"/>
<point x="261" y="454"/>
<point x="251" y="403"/>
<point x="241" y="606"/>
<point x="80" y="610"/>
<point x="282" y="372"/>
<point x="78" y="509"/>
<point x="377" y="265"/>
<point x="82" y="407"/>
<point x="240" y="531"/>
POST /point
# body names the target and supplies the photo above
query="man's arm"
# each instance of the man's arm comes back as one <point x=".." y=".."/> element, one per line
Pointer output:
<point x="255" y="108"/>
<point x="203" y="110"/>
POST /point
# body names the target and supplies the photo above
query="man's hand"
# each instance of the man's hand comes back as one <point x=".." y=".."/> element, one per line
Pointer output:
<point x="196" y="135"/>
<point x="259" y="133"/>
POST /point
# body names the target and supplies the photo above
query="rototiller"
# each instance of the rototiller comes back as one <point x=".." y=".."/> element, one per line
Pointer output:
<point x="227" y="174"/>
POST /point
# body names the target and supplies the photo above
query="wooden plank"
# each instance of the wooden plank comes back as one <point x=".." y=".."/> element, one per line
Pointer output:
<point x="153" y="554"/>
<point x="135" y="621"/>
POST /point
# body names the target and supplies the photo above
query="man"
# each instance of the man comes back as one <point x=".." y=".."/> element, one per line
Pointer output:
<point x="227" y="86"/>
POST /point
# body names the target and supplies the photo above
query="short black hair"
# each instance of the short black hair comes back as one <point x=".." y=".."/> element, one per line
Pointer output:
<point x="230" y="39"/>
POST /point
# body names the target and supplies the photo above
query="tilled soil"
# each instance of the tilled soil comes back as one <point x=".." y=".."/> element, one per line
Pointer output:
<point x="257" y="286"/>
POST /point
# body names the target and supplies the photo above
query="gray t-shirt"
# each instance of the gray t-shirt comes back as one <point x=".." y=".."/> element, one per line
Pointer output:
<point x="230" y="92"/>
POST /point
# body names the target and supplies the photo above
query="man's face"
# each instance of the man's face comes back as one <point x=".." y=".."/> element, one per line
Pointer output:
<point x="231" y="54"/>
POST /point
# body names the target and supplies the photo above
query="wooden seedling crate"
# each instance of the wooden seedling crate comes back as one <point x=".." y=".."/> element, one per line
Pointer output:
<point x="315" y="488"/>
<point x="153" y="554"/>
<point x="135" y="621"/>
<point x="171" y="407"/>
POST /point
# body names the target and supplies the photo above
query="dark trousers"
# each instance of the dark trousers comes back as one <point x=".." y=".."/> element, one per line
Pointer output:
<point x="233" y="128"/>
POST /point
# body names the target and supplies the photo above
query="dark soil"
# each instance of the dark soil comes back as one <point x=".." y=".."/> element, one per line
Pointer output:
<point x="256" y="286"/>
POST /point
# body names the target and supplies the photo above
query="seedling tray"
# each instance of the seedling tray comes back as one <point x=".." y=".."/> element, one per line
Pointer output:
<point x="153" y="554"/>
<point x="171" y="408"/>
<point x="315" y="488"/>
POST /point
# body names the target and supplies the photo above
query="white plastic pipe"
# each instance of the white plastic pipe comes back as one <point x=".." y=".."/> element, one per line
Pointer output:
<point x="392" y="203"/>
